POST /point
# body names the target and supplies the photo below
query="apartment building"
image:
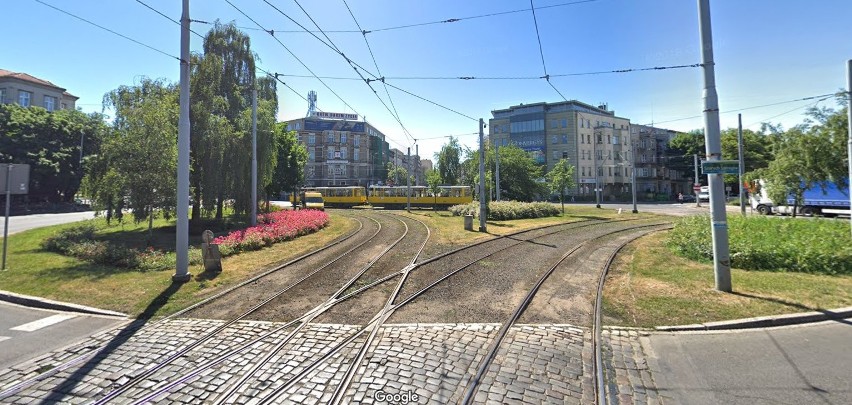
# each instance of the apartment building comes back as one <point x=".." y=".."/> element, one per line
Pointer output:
<point x="593" y="139"/>
<point x="26" y="90"/>
<point x="412" y="165"/>
<point x="342" y="151"/>
<point x="659" y="175"/>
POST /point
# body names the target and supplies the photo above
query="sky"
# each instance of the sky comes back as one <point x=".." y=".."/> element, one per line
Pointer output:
<point x="766" y="52"/>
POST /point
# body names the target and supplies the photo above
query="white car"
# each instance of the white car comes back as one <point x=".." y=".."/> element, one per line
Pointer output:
<point x="704" y="194"/>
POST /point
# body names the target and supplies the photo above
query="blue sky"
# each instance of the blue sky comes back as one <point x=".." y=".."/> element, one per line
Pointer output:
<point x="766" y="51"/>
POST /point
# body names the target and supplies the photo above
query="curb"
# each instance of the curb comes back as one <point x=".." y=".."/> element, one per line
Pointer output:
<point x="763" y="321"/>
<point x="42" y="303"/>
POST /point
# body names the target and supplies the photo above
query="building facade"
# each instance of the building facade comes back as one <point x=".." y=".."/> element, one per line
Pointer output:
<point x="342" y="152"/>
<point x="659" y="175"/>
<point x="593" y="139"/>
<point x="26" y="90"/>
<point x="412" y="165"/>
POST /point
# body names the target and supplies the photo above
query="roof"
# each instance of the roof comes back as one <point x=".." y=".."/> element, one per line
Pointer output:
<point x="34" y="80"/>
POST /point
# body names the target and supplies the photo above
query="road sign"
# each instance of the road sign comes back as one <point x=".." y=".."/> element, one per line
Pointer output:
<point x="720" y="167"/>
<point x="696" y="187"/>
<point x="19" y="178"/>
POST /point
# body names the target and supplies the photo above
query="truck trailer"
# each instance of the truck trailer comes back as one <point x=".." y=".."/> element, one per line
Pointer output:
<point x="830" y="201"/>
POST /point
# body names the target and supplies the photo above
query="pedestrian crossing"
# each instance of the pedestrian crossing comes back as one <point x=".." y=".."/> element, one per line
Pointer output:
<point x="43" y="323"/>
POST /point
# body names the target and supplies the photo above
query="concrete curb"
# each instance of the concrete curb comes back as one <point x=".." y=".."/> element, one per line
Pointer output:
<point x="763" y="321"/>
<point x="36" y="302"/>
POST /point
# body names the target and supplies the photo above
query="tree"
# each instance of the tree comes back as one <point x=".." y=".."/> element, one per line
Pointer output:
<point x="449" y="162"/>
<point x="433" y="182"/>
<point x="561" y="177"/>
<point x="142" y="154"/>
<point x="291" y="157"/>
<point x="397" y="175"/>
<point x="520" y="175"/>
<point x="50" y="143"/>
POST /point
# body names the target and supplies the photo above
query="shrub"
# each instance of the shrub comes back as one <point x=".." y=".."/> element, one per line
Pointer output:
<point x="767" y="243"/>
<point x="272" y="228"/>
<point x="508" y="210"/>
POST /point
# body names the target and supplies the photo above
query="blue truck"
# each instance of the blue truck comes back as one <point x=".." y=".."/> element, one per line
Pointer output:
<point x="830" y="201"/>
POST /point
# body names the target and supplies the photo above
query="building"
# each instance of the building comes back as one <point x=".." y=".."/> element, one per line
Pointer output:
<point x="593" y="139"/>
<point x="412" y="165"/>
<point x="658" y="174"/>
<point x="26" y="90"/>
<point x="342" y="151"/>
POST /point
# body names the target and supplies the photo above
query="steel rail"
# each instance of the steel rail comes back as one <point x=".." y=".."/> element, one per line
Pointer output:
<point x="486" y="362"/>
<point x="20" y="386"/>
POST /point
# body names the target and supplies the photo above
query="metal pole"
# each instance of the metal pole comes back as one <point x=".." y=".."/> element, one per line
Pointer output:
<point x="253" y="219"/>
<point x="742" y="162"/>
<point x="482" y="202"/>
<point x="633" y="174"/>
<point x="408" y="182"/>
<point x="713" y="147"/>
<point x="849" y="148"/>
<point x="497" y="171"/>
<point x="6" y="220"/>
<point x="182" y="234"/>
<point x="418" y="173"/>
<point x="696" y="184"/>
<point x="595" y="164"/>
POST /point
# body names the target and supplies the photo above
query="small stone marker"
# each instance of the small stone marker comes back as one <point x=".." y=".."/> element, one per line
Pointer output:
<point x="210" y="253"/>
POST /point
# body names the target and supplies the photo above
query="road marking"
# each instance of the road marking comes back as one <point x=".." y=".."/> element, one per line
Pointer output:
<point x="44" y="322"/>
<point x="2" y="338"/>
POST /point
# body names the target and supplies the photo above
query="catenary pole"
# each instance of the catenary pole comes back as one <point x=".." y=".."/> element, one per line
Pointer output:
<point x="849" y="118"/>
<point x="497" y="169"/>
<point x="408" y="182"/>
<point x="417" y="167"/>
<point x="742" y="162"/>
<point x="595" y="164"/>
<point x="6" y="218"/>
<point x="633" y="174"/>
<point x="713" y="148"/>
<point x="253" y="219"/>
<point x="182" y="234"/>
<point x="482" y="202"/>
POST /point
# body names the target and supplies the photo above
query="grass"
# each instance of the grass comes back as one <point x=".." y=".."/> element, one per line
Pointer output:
<point x="649" y="286"/>
<point x="34" y="271"/>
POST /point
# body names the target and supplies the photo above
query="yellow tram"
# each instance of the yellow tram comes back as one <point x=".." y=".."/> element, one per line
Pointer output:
<point x="340" y="197"/>
<point x="421" y="196"/>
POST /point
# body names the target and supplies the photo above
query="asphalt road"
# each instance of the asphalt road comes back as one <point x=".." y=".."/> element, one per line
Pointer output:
<point x="805" y="364"/>
<point x="25" y="222"/>
<point x="27" y="332"/>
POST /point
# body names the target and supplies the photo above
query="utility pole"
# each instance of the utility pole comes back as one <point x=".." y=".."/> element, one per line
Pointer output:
<point x="742" y="162"/>
<point x="182" y="234"/>
<point x="633" y="173"/>
<point x="6" y="218"/>
<point x="253" y="219"/>
<point x="482" y="202"/>
<point x="417" y="167"/>
<point x="696" y="185"/>
<point x="408" y="182"/>
<point x="713" y="147"/>
<point x="497" y="170"/>
<point x="595" y="164"/>
<point x="849" y="147"/>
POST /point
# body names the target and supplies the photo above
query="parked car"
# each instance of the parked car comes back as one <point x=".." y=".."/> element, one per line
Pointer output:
<point x="704" y="193"/>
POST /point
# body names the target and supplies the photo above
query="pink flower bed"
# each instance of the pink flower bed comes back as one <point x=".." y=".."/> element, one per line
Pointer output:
<point x="271" y="228"/>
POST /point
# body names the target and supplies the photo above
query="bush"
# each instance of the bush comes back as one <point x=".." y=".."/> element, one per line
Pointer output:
<point x="272" y="228"/>
<point x="508" y="210"/>
<point x="774" y="244"/>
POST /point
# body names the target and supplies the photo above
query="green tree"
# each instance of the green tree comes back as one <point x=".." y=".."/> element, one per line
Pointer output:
<point x="397" y="175"/>
<point x="448" y="162"/>
<point x="291" y="158"/>
<point x="433" y="182"/>
<point x="520" y="175"/>
<point x="560" y="178"/>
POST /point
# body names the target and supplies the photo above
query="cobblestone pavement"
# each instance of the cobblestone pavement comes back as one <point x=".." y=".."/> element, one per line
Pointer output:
<point x="627" y="377"/>
<point x="428" y="363"/>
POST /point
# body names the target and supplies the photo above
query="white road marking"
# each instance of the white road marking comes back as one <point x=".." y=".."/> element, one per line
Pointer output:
<point x="44" y="322"/>
<point x="2" y="338"/>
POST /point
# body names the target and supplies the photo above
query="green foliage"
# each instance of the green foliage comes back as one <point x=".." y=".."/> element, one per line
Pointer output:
<point x="774" y="244"/>
<point x="519" y="174"/>
<point x="50" y="143"/>
<point x="448" y="162"/>
<point x="508" y="210"/>
<point x="561" y="178"/>
<point x="292" y="156"/>
<point x="397" y="175"/>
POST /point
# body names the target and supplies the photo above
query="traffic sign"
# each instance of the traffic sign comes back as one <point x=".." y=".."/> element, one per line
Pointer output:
<point x="696" y="187"/>
<point x="720" y="167"/>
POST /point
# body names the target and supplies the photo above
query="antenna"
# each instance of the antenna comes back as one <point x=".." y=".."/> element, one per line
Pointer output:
<point x="312" y="103"/>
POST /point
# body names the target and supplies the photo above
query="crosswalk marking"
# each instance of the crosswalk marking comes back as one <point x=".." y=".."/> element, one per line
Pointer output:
<point x="44" y="322"/>
<point x="2" y="338"/>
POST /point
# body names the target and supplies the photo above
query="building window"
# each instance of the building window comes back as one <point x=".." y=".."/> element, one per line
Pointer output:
<point x="2" y="96"/>
<point x="609" y="139"/>
<point x="600" y="139"/>
<point x="343" y="152"/>
<point x="610" y="170"/>
<point x="552" y="123"/>
<point x="312" y="139"/>
<point x="298" y="126"/>
<point x="355" y="154"/>
<point x="565" y="155"/>
<point x="588" y="138"/>
<point x="312" y="154"/>
<point x="356" y="140"/>
<point x="564" y="138"/>
<point x="555" y="155"/>
<point x="615" y="139"/>
<point x="24" y="98"/>
<point x="330" y="155"/>
<point x="344" y="137"/>
<point x="329" y="137"/>
<point x="49" y="103"/>
<point x="554" y="139"/>
<point x="564" y="123"/>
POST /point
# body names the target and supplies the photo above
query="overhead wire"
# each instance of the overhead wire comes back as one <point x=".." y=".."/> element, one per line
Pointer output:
<point x="820" y="96"/>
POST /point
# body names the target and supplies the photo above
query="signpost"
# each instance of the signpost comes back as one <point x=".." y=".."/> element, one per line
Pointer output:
<point x="720" y="167"/>
<point x="15" y="181"/>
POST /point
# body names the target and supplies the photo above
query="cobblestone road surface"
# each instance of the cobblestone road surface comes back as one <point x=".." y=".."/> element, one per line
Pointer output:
<point x="430" y="362"/>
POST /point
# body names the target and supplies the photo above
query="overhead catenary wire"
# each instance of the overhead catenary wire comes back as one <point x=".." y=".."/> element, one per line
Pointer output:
<point x="820" y="96"/>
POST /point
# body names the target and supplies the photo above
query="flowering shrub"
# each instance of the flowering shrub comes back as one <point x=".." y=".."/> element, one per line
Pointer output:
<point x="508" y="210"/>
<point x="272" y="228"/>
